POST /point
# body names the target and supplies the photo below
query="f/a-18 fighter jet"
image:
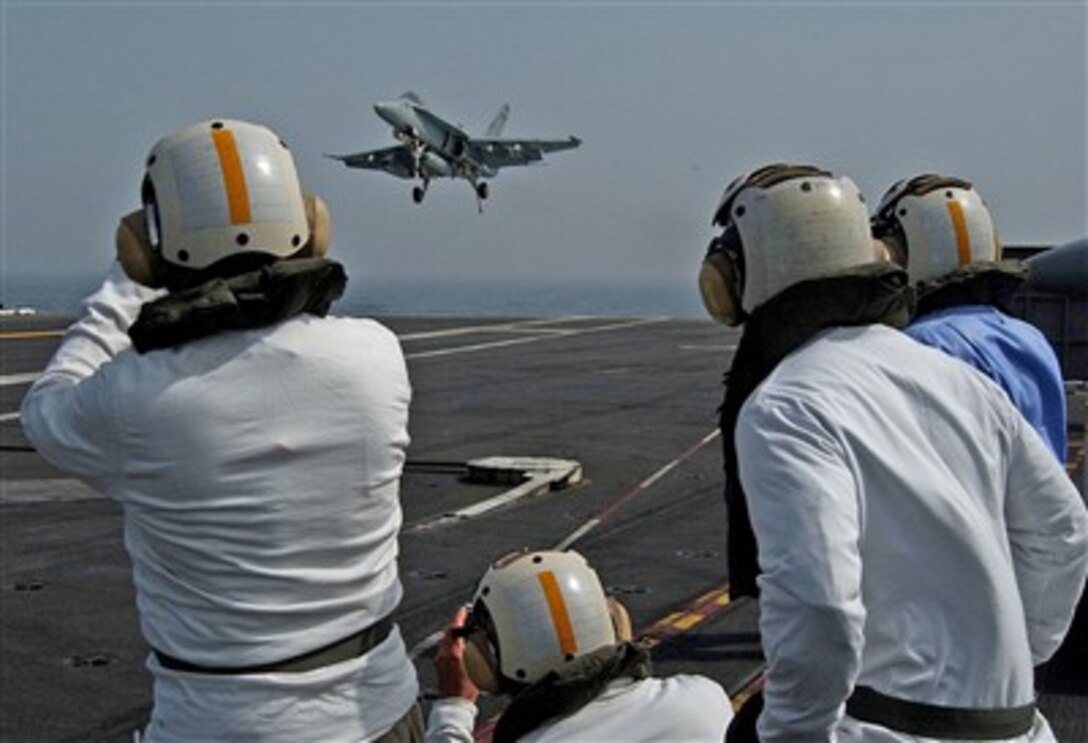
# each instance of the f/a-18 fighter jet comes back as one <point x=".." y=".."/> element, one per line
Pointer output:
<point x="431" y="147"/>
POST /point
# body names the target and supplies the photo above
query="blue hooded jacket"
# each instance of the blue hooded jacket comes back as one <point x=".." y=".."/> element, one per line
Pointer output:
<point x="1011" y="352"/>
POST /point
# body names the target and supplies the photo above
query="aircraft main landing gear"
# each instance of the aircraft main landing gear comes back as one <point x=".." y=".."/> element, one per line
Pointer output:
<point x="420" y="191"/>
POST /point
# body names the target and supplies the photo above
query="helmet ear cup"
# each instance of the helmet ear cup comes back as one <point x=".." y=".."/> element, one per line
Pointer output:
<point x="719" y="286"/>
<point x="481" y="664"/>
<point x="140" y="263"/>
<point x="891" y="248"/>
<point x="621" y="621"/>
<point x="317" y="216"/>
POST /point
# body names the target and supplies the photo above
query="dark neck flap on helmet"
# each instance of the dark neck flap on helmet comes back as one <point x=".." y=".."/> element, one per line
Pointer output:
<point x="253" y="299"/>
<point x="992" y="283"/>
<point x="566" y="690"/>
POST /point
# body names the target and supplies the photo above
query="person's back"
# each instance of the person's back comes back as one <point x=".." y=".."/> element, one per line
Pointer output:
<point x="260" y="469"/>
<point x="256" y="447"/>
<point x="676" y="708"/>
<point x="905" y="545"/>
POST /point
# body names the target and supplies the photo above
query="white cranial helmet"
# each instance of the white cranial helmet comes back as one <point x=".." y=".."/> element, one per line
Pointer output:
<point x="794" y="222"/>
<point x="544" y="609"/>
<point x="220" y="188"/>
<point x="938" y="223"/>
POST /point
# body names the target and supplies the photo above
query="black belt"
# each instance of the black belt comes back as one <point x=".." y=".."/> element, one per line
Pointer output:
<point x="351" y="646"/>
<point x="933" y="721"/>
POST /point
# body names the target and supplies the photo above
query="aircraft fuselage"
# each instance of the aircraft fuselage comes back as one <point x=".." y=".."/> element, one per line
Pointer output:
<point x="417" y="126"/>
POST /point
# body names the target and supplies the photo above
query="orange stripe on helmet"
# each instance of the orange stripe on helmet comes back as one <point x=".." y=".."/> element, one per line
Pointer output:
<point x="234" y="178"/>
<point x="963" y="239"/>
<point x="558" y="608"/>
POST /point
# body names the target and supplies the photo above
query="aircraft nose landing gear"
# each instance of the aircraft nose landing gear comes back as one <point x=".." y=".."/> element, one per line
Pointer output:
<point x="481" y="193"/>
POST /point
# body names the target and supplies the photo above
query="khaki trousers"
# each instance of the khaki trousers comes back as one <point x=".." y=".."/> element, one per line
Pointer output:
<point x="409" y="729"/>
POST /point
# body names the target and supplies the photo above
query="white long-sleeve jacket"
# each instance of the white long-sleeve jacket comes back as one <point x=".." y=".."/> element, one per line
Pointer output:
<point x="676" y="709"/>
<point x="259" y="475"/>
<point x="915" y="535"/>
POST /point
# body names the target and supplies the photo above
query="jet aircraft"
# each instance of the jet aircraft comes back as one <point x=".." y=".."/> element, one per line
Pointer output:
<point x="431" y="147"/>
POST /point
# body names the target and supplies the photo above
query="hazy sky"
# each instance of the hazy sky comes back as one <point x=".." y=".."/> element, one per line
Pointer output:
<point x="672" y="101"/>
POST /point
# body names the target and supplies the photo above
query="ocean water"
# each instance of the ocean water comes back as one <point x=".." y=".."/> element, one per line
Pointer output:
<point x="63" y="295"/>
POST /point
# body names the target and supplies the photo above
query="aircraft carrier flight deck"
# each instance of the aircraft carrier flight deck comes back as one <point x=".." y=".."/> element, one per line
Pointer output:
<point x="587" y="432"/>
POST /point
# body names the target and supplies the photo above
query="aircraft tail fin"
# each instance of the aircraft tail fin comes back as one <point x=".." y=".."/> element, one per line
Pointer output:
<point x="494" y="129"/>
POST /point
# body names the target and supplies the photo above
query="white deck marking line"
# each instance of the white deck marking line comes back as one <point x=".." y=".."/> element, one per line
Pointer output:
<point x="519" y="341"/>
<point x="541" y="475"/>
<point x="603" y="516"/>
<point x="707" y="347"/>
<point x="53" y="490"/>
<point x="11" y="380"/>
<point x="523" y="326"/>
<point x="533" y="486"/>
<point x="14" y="380"/>
<point x="428" y="642"/>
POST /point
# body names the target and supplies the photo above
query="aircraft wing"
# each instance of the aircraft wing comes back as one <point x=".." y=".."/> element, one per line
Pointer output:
<point x="396" y="160"/>
<point x="501" y="153"/>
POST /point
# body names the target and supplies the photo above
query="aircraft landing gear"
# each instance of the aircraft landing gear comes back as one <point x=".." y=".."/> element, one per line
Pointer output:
<point x="420" y="191"/>
<point x="480" y="190"/>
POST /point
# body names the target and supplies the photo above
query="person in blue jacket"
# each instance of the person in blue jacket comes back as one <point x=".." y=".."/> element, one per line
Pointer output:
<point x="941" y="231"/>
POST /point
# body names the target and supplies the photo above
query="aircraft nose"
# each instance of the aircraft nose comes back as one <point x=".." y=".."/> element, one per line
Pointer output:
<point x="386" y="110"/>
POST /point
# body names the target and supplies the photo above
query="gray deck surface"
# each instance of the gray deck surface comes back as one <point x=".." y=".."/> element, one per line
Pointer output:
<point x="633" y="400"/>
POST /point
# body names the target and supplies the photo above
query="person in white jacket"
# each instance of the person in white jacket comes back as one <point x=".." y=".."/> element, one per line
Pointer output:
<point x="255" y="445"/>
<point x="920" y="548"/>
<point x="542" y="631"/>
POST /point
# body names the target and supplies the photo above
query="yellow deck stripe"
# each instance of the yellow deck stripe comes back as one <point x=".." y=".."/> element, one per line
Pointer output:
<point x="963" y="239"/>
<point x="23" y="334"/>
<point x="742" y="696"/>
<point x="687" y="622"/>
<point x="687" y="618"/>
<point x="234" y="178"/>
<point x="558" y="607"/>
